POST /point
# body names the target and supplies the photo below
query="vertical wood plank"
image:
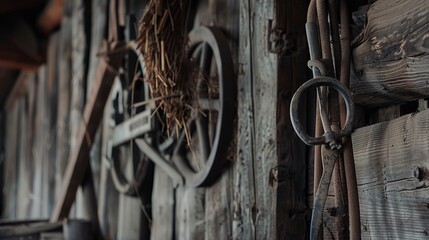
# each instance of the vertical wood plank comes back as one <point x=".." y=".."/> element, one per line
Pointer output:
<point x="244" y="211"/>
<point x="64" y="93"/>
<point x="78" y="44"/>
<point x="24" y="169"/>
<point x="218" y="210"/>
<point x="162" y="206"/>
<point x="190" y="220"/>
<point x="9" y="189"/>
<point x="264" y="96"/>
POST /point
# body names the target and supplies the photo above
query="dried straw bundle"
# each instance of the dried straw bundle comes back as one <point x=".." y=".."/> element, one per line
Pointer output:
<point x="162" y="40"/>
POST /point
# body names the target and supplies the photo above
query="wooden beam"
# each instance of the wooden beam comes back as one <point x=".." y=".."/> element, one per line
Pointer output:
<point x="393" y="174"/>
<point x="79" y="158"/>
<point x="392" y="54"/>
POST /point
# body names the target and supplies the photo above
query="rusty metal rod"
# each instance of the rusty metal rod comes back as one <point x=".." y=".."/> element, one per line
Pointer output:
<point x="349" y="164"/>
<point x="340" y="186"/>
<point x="317" y="159"/>
<point x="322" y="16"/>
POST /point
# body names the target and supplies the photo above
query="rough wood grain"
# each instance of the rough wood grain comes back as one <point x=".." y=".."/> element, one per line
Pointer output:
<point x="218" y="211"/>
<point x="190" y="215"/>
<point x="391" y="56"/>
<point x="162" y="206"/>
<point x="264" y="95"/>
<point x="244" y="196"/>
<point x="392" y="174"/>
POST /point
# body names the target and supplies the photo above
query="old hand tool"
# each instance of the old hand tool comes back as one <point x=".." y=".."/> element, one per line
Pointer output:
<point x="331" y="140"/>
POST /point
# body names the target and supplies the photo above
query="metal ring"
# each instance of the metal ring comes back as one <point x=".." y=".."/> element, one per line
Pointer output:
<point x="313" y="83"/>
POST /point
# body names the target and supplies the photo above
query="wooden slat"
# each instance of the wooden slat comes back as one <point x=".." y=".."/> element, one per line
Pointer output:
<point x="391" y="57"/>
<point x="10" y="166"/>
<point x="162" y="206"/>
<point x="218" y="217"/>
<point x="243" y="179"/>
<point x="264" y="72"/>
<point x="190" y="214"/>
<point x="63" y="103"/>
<point x="392" y="174"/>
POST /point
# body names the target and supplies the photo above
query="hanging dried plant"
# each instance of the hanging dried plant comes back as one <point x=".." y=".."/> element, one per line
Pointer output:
<point x="163" y="40"/>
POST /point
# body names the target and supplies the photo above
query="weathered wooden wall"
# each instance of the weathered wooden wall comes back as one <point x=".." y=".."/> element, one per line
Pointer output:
<point x="42" y="113"/>
<point x="261" y="195"/>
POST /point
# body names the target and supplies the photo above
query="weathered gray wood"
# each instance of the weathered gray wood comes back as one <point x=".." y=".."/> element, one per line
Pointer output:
<point x="129" y="208"/>
<point x="162" y="206"/>
<point x="392" y="174"/>
<point x="218" y="211"/>
<point x="77" y="101"/>
<point x="264" y="95"/>
<point x="24" y="167"/>
<point x="39" y="147"/>
<point x="244" y="196"/>
<point x="10" y="165"/>
<point x="391" y="57"/>
<point x="190" y="214"/>
<point x="63" y="112"/>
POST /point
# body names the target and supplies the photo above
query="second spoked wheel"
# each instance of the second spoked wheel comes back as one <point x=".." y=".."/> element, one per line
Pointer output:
<point x="128" y="121"/>
<point x="202" y="158"/>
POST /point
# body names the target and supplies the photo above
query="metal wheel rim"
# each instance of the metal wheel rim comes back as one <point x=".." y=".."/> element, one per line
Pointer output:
<point x="217" y="157"/>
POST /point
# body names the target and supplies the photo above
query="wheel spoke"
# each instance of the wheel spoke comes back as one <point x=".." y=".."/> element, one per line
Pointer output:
<point x="203" y="139"/>
<point x="196" y="54"/>
<point x="206" y="57"/>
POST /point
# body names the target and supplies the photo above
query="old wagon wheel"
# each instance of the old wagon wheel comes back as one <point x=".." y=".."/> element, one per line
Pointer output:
<point x="211" y="124"/>
<point x="130" y="121"/>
